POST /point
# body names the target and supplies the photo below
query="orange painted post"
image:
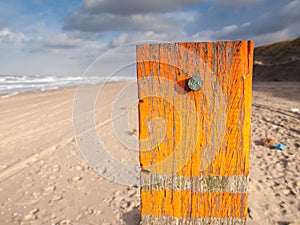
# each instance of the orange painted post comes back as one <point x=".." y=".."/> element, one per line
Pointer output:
<point x="194" y="123"/>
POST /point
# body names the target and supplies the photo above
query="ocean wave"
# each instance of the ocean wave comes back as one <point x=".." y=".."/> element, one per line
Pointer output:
<point x="11" y="85"/>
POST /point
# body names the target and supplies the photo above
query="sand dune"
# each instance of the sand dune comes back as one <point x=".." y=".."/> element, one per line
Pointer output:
<point x="44" y="179"/>
<point x="277" y="61"/>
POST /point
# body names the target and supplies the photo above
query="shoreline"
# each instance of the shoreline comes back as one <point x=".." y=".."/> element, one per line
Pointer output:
<point x="12" y="85"/>
<point x="256" y="87"/>
<point x="4" y="96"/>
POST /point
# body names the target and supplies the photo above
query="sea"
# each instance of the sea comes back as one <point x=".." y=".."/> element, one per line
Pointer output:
<point x="14" y="84"/>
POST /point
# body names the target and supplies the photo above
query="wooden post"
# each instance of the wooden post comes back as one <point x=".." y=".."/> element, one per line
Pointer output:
<point x="194" y="144"/>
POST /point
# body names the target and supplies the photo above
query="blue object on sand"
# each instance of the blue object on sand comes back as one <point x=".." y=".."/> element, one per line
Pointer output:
<point x="279" y="146"/>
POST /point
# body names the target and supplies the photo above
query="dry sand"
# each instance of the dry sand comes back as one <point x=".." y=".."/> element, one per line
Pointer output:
<point x="44" y="179"/>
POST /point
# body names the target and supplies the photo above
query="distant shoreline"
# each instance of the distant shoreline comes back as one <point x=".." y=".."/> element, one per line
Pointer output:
<point x="15" y="85"/>
<point x="257" y="86"/>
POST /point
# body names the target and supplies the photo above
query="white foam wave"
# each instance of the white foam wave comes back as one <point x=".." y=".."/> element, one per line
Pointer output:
<point x="11" y="85"/>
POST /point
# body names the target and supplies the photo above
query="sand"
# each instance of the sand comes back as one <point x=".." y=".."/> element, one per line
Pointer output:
<point x="45" y="180"/>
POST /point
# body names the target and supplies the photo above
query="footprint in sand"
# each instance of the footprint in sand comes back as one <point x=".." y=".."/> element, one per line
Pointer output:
<point x="32" y="215"/>
<point x="48" y="190"/>
<point x="55" y="199"/>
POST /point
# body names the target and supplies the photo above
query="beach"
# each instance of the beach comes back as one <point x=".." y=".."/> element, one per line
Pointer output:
<point x="45" y="180"/>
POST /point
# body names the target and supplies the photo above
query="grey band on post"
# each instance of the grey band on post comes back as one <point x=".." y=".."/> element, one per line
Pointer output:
<point x="234" y="184"/>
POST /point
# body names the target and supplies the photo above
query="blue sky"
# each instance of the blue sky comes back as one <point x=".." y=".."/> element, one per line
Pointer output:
<point x="63" y="37"/>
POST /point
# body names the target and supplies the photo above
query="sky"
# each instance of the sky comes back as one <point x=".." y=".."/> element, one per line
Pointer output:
<point x="65" y="37"/>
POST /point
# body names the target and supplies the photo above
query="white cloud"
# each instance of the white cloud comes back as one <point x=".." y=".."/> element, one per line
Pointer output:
<point x="188" y="17"/>
<point x="292" y="9"/>
<point x="293" y="5"/>
<point x="7" y="36"/>
<point x="147" y="36"/>
<point x="65" y="45"/>
<point x="56" y="44"/>
<point x="229" y="29"/>
<point x="121" y="39"/>
<point x="63" y="41"/>
<point x="247" y="24"/>
<point x="215" y="34"/>
<point x="272" y="37"/>
<point x="105" y="22"/>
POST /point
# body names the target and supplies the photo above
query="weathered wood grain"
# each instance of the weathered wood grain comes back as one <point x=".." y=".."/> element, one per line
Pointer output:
<point x="194" y="145"/>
